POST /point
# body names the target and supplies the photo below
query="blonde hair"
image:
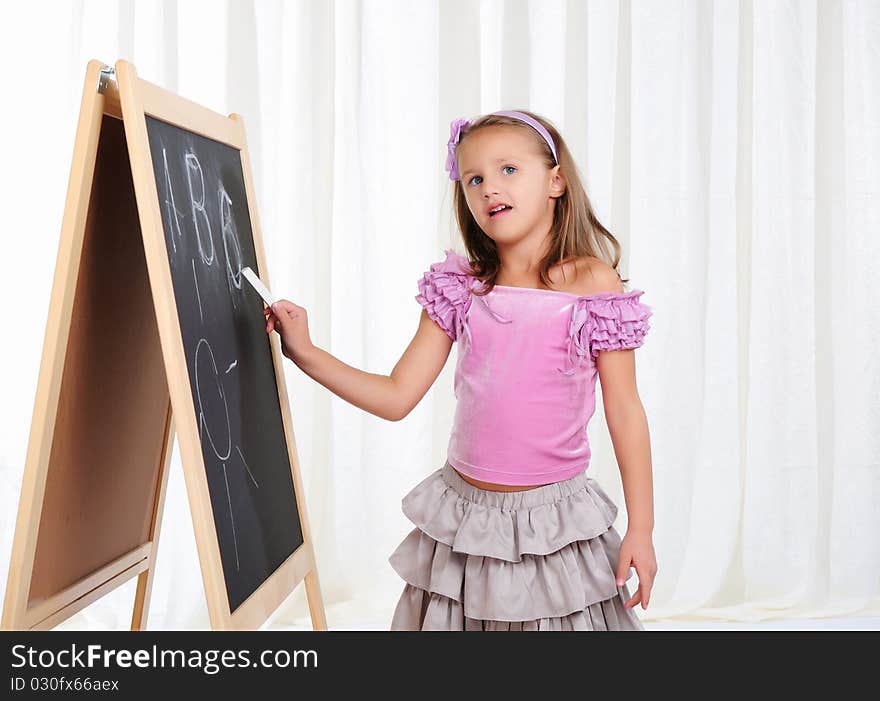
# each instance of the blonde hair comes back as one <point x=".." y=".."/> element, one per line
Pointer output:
<point x="575" y="232"/>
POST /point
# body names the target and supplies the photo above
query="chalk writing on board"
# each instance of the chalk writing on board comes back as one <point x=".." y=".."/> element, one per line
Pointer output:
<point x="198" y="296"/>
<point x="204" y="355"/>
<point x="171" y="210"/>
<point x="231" y="516"/>
<point x="246" y="467"/>
<point x="203" y="349"/>
<point x="198" y="207"/>
<point x="231" y="248"/>
<point x="236" y="408"/>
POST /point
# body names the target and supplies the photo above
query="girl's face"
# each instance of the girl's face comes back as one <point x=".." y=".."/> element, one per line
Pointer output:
<point x="502" y="165"/>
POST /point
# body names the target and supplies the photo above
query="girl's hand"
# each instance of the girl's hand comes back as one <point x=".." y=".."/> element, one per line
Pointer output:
<point x="292" y="324"/>
<point x="637" y="550"/>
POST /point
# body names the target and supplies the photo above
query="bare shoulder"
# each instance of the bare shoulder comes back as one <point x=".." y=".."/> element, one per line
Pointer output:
<point x="586" y="276"/>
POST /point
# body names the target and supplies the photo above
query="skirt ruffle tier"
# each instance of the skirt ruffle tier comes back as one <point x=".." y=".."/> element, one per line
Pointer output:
<point x="537" y="559"/>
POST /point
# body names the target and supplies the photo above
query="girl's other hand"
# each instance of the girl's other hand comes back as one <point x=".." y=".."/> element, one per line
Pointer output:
<point x="637" y="550"/>
<point x="292" y="324"/>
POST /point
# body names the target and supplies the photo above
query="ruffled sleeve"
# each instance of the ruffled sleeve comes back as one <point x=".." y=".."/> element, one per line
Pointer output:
<point x="444" y="292"/>
<point x="617" y="321"/>
<point x="606" y="321"/>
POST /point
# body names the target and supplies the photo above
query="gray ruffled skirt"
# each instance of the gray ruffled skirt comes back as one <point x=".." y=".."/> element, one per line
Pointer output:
<point x="537" y="559"/>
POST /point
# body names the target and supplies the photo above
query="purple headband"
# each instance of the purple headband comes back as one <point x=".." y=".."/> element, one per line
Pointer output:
<point x="458" y="126"/>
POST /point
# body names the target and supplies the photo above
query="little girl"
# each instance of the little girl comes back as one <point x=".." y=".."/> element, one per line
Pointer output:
<point x="510" y="533"/>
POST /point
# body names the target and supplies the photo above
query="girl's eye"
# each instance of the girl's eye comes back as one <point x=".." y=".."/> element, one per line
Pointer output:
<point x="477" y="176"/>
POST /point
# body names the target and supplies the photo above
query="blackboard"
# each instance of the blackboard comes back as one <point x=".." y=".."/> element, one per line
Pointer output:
<point x="208" y="237"/>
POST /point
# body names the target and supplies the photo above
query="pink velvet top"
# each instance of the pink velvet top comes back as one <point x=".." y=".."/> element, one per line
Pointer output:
<point x="526" y="374"/>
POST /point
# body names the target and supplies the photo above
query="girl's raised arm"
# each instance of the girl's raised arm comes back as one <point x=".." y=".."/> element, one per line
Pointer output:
<point x="390" y="397"/>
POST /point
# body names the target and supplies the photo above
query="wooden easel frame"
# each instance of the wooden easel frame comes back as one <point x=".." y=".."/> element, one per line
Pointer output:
<point x="129" y="100"/>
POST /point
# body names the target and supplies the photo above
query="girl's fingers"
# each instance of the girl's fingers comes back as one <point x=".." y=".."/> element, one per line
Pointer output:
<point x="285" y="305"/>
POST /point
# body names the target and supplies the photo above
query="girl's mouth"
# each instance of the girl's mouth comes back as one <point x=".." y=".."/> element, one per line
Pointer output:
<point x="500" y="212"/>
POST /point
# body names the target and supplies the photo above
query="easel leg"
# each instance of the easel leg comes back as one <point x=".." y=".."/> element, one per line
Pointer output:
<point x="145" y="578"/>
<point x="142" y="600"/>
<point x="316" y="603"/>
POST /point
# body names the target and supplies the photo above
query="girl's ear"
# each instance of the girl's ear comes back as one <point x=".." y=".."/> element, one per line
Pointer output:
<point x="557" y="183"/>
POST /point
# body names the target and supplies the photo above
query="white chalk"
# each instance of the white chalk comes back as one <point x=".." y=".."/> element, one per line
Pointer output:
<point x="258" y="285"/>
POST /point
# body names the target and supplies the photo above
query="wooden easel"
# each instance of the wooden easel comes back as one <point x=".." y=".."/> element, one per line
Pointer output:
<point x="97" y="463"/>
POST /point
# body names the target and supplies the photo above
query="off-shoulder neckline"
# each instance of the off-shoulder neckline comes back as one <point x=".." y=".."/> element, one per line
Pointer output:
<point x="451" y="253"/>
<point x="632" y="293"/>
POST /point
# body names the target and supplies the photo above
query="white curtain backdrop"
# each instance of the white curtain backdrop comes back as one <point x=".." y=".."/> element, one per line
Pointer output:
<point x="733" y="147"/>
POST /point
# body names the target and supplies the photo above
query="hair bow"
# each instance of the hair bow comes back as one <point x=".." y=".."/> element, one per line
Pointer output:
<point x="456" y="128"/>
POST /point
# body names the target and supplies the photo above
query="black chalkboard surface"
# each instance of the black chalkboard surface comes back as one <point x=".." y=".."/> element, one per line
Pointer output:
<point x="209" y="240"/>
